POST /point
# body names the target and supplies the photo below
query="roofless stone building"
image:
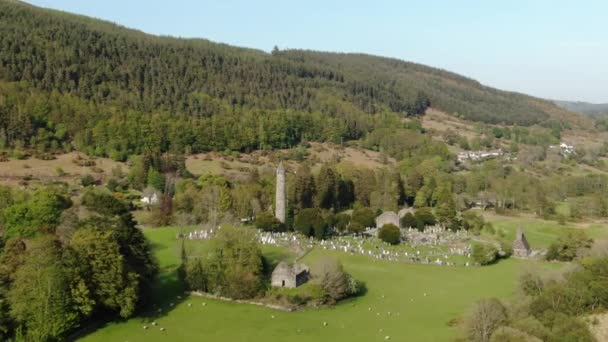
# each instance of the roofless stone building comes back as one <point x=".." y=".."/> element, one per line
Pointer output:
<point x="521" y="247"/>
<point x="387" y="217"/>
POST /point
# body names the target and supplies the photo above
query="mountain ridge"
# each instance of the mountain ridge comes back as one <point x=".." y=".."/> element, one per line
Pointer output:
<point x="588" y="108"/>
<point x="75" y="79"/>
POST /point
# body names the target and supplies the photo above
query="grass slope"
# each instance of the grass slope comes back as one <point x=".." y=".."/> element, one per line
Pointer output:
<point x="541" y="233"/>
<point x="392" y="287"/>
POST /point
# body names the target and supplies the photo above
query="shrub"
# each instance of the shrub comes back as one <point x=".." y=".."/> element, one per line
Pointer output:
<point x="533" y="327"/>
<point x="425" y="217"/>
<point x="508" y="334"/>
<point x="268" y="222"/>
<point x="113" y="185"/>
<point x="19" y="155"/>
<point x="355" y="228"/>
<point x="390" y="233"/>
<point x="87" y="180"/>
<point x="408" y="221"/>
<point x="341" y="221"/>
<point x="364" y="216"/>
<point x="569" y="328"/>
<point x="484" y="254"/>
<point x="569" y="246"/>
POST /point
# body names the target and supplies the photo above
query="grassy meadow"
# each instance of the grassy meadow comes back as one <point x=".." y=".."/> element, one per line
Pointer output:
<point x="541" y="233"/>
<point x="405" y="302"/>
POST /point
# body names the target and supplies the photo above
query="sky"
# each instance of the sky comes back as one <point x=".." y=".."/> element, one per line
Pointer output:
<point x="555" y="49"/>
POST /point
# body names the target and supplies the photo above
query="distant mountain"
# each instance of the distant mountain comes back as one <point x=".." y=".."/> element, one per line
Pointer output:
<point x="102" y="61"/>
<point x="592" y="109"/>
<point x="77" y="81"/>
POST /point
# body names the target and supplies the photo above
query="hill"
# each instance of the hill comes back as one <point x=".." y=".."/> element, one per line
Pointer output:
<point x="78" y="82"/>
<point x="591" y="109"/>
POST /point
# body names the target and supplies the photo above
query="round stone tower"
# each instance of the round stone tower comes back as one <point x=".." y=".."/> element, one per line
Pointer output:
<point x="281" y="194"/>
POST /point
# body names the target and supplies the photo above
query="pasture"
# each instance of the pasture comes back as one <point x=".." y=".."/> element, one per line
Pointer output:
<point x="405" y="302"/>
<point x="541" y="233"/>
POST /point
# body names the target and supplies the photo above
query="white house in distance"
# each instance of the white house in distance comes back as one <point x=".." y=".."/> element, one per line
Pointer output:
<point x="477" y="155"/>
<point x="150" y="196"/>
<point x="564" y="148"/>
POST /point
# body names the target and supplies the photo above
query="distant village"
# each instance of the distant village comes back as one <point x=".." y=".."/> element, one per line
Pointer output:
<point x="564" y="149"/>
<point x="479" y="155"/>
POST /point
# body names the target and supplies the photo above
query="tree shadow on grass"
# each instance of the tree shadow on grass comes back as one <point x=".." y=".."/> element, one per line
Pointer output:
<point x="168" y="292"/>
<point x="155" y="246"/>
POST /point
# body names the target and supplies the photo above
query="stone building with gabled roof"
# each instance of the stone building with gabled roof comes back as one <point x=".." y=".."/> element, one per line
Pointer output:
<point x="289" y="276"/>
<point x="521" y="247"/>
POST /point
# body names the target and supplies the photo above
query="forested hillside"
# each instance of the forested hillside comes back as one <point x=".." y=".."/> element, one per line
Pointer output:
<point x="69" y="81"/>
<point x="592" y="109"/>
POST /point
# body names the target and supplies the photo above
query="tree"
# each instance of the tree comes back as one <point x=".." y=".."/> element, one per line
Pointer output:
<point x="487" y="316"/>
<point x="334" y="281"/>
<point x="569" y="246"/>
<point x="113" y="215"/>
<point x="11" y="258"/>
<point x="390" y="233"/>
<point x="111" y="282"/>
<point x="326" y="187"/>
<point x="235" y="263"/>
<point x="364" y="216"/>
<point x="423" y="197"/>
<point x="346" y="193"/>
<point x="40" y="297"/>
<point x="310" y="222"/>
<point x="304" y="188"/>
<point x="6" y="323"/>
<point x="408" y="221"/>
<point x="473" y="222"/>
<point x="156" y="179"/>
<point x="195" y="276"/>
<point x="569" y="328"/>
<point x="446" y="208"/>
<point x="508" y="334"/>
<point x="425" y="217"/>
<point x="39" y="214"/>
<point x="484" y="254"/>
<point x="267" y="222"/>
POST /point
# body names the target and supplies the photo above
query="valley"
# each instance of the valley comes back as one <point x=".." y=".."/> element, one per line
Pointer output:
<point x="156" y="188"/>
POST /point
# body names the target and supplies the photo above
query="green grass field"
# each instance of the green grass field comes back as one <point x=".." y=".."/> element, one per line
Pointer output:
<point x="541" y="233"/>
<point x="395" y="288"/>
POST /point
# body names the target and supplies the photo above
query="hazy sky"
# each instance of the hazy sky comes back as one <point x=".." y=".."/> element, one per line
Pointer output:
<point x="548" y="48"/>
